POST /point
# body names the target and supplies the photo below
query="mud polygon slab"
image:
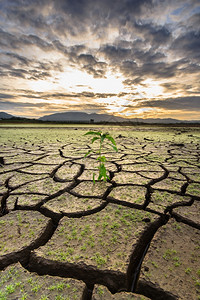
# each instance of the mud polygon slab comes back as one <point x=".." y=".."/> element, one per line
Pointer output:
<point x="150" y="175"/>
<point x="90" y="163"/>
<point x="192" y="173"/>
<point x="173" y="260"/>
<point x="53" y="159"/>
<point x="23" y="157"/>
<point x="179" y="163"/>
<point x="23" y="199"/>
<point x="169" y="184"/>
<point x="39" y="169"/>
<point x="100" y="292"/>
<point x="141" y="167"/>
<point x="104" y="240"/>
<point x="189" y="212"/>
<point x="131" y="194"/>
<point x="3" y="187"/>
<point x="22" y="178"/>
<point x="129" y="177"/>
<point x="4" y="177"/>
<point x="21" y="229"/>
<point x="73" y="153"/>
<point x="36" y="153"/>
<point x="68" y="171"/>
<point x="160" y="200"/>
<point x="88" y="174"/>
<point x="46" y="186"/>
<point x="67" y="203"/>
<point x="12" y="167"/>
<point x="194" y="189"/>
<point x="171" y="167"/>
<point x="157" y="157"/>
<point x="88" y="188"/>
<point x="18" y="283"/>
<point x="176" y="175"/>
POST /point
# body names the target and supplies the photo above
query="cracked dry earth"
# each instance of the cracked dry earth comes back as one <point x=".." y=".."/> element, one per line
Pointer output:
<point x="135" y="236"/>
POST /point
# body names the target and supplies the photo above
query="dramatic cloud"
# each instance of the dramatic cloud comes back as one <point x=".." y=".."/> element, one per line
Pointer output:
<point x="187" y="103"/>
<point x="124" y="57"/>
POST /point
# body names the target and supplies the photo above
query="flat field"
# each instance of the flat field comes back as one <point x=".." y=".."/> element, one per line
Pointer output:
<point x="135" y="236"/>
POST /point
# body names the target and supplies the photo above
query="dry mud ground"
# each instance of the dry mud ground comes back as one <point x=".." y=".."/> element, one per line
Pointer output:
<point x="135" y="236"/>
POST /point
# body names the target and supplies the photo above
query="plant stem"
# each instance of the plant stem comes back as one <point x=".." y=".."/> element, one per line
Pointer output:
<point x="100" y="148"/>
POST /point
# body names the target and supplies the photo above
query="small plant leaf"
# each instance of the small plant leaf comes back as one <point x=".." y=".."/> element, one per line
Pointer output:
<point x="111" y="139"/>
<point x="88" y="153"/>
<point x="95" y="138"/>
<point x="102" y="172"/>
<point x="103" y="136"/>
<point x="101" y="158"/>
<point x="114" y="147"/>
<point x="93" y="133"/>
<point x="98" y="135"/>
<point x="93" y="178"/>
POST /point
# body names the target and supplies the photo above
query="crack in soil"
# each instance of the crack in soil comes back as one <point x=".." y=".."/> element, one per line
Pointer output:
<point x="147" y="161"/>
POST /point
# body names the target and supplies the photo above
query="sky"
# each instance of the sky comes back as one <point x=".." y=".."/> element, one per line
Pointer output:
<point x="128" y="58"/>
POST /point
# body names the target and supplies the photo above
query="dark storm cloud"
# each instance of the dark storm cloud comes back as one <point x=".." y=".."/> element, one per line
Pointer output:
<point x="148" y="56"/>
<point x="74" y="17"/>
<point x="135" y="62"/>
<point x="155" y="70"/>
<point x="188" y="44"/>
<point x="26" y="13"/>
<point x="50" y="107"/>
<point x="66" y="17"/>
<point x="90" y="64"/>
<point x="173" y="87"/>
<point x="67" y="96"/>
<point x="11" y="41"/>
<point x="8" y="70"/>
<point x="21" y="59"/>
<point x="137" y="80"/>
<point x="181" y="103"/>
<point x="12" y="105"/>
<point x="101" y="11"/>
<point x="193" y="22"/>
<point x="157" y="35"/>
<point x="7" y="40"/>
<point x="83" y="61"/>
<point x="15" y="65"/>
<point x="120" y="52"/>
<point x="27" y="94"/>
<point x="138" y="39"/>
<point x="6" y="96"/>
<point x="115" y="53"/>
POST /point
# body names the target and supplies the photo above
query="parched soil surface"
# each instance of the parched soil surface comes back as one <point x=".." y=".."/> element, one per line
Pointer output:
<point x="136" y="236"/>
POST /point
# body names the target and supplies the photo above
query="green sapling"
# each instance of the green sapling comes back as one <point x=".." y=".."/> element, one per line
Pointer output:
<point x="101" y="138"/>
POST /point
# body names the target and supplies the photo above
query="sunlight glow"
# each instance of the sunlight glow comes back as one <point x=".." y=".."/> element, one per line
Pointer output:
<point x="151" y="88"/>
<point x="74" y="80"/>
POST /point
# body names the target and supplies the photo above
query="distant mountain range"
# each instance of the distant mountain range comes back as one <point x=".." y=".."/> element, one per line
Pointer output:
<point x="79" y="117"/>
<point x="4" y="115"/>
<point x="96" y="118"/>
